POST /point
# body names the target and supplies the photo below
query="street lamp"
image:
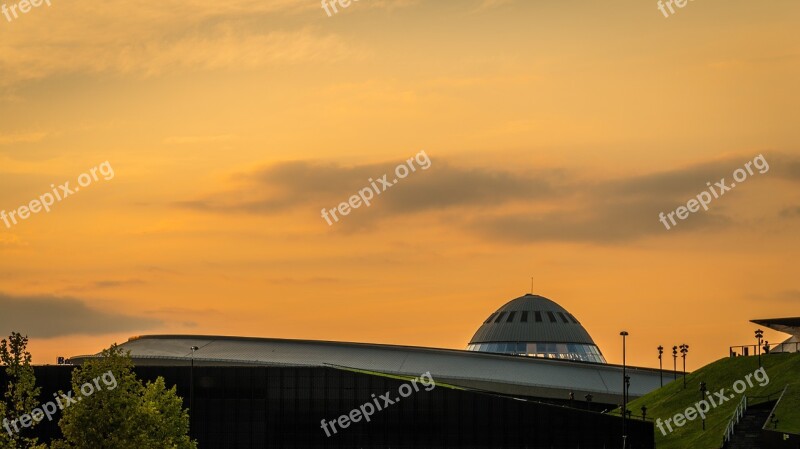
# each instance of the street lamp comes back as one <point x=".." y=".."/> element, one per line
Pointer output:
<point x="627" y="388"/>
<point x="684" y="350"/>
<point x="624" y="388"/>
<point x="588" y="398"/>
<point x="759" y="336"/>
<point x="660" y="364"/>
<point x="191" y="383"/>
<point x="644" y="413"/>
<point x="703" y="389"/>
<point x="674" y="363"/>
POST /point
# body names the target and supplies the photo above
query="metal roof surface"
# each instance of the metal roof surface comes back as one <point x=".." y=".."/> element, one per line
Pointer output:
<point x="499" y="373"/>
<point x="565" y="329"/>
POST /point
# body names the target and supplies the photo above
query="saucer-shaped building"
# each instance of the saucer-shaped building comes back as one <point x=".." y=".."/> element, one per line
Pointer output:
<point x="535" y="326"/>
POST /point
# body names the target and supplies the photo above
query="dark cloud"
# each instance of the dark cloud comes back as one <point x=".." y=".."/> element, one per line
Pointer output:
<point x="292" y="184"/>
<point x="518" y="206"/>
<point x="116" y="283"/>
<point x="45" y="316"/>
<point x="791" y="212"/>
<point x="673" y="183"/>
<point x="598" y="222"/>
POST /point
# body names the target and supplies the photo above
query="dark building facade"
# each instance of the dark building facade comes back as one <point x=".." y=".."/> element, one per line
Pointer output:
<point x="282" y="407"/>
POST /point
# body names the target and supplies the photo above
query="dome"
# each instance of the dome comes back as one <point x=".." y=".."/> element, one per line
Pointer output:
<point x="535" y="326"/>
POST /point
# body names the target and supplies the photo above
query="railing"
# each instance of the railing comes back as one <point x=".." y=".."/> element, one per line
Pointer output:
<point x="737" y="415"/>
<point x="742" y="408"/>
<point x="772" y="412"/>
<point x="748" y="350"/>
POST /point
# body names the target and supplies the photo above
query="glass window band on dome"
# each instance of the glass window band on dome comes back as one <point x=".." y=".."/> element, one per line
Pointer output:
<point x="563" y="351"/>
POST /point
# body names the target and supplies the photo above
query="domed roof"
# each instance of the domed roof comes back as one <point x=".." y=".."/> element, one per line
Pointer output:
<point x="544" y="322"/>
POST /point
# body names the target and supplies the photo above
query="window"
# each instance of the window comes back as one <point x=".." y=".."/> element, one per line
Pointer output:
<point x="572" y="318"/>
<point x="538" y="316"/>
<point x="551" y="316"/>
<point x="499" y="317"/>
<point x="490" y="317"/>
<point x="511" y="317"/>
<point x="563" y="317"/>
<point x="524" y="317"/>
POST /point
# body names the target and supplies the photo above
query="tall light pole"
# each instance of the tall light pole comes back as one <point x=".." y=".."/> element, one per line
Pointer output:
<point x="684" y="350"/>
<point x="660" y="364"/>
<point x="674" y="363"/>
<point x="759" y="336"/>
<point x="191" y="385"/>
<point x="624" y="388"/>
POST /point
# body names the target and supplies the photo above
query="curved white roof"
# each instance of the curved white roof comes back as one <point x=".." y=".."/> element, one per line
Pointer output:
<point x="524" y="376"/>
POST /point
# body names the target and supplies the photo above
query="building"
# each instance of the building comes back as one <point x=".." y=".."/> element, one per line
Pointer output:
<point x="789" y="326"/>
<point x="531" y="376"/>
<point x="535" y="326"/>
<point x="531" y="347"/>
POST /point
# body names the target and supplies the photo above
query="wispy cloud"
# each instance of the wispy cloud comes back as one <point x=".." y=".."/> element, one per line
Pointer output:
<point x="45" y="316"/>
<point x="10" y="139"/>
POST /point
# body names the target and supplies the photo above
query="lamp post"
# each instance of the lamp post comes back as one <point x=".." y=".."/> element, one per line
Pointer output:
<point x="674" y="363"/>
<point x="759" y="336"/>
<point x="660" y="364"/>
<point x="627" y="389"/>
<point x="703" y="389"/>
<point x="588" y="398"/>
<point x="191" y="384"/>
<point x="624" y="388"/>
<point x="644" y="413"/>
<point x="684" y="350"/>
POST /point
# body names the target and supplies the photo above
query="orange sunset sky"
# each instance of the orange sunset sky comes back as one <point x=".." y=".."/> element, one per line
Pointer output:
<point x="557" y="132"/>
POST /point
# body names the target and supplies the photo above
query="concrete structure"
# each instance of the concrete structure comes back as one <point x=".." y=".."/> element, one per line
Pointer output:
<point x="789" y="326"/>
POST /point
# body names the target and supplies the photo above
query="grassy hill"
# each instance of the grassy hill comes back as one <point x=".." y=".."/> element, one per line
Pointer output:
<point x="666" y="402"/>
<point x="788" y="410"/>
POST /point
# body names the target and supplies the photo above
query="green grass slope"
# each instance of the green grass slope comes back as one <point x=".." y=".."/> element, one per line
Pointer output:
<point x="666" y="402"/>
<point x="788" y="410"/>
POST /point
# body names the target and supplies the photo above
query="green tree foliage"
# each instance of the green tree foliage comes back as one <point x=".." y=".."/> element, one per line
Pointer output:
<point x="20" y="395"/>
<point x="123" y="412"/>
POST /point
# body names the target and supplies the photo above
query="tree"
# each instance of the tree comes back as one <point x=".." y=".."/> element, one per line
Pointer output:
<point x="21" y="394"/>
<point x="119" y="411"/>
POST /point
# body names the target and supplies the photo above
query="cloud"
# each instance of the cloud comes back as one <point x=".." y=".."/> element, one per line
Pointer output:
<point x="288" y="185"/>
<point x="152" y="38"/>
<point x="45" y="316"/>
<point x="513" y="206"/>
<point x="610" y="221"/>
<point x="222" y="46"/>
<point x="791" y="212"/>
<point x="9" y="139"/>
